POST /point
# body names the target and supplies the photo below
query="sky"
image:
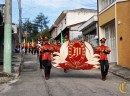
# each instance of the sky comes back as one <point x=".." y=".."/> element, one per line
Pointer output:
<point x="50" y="8"/>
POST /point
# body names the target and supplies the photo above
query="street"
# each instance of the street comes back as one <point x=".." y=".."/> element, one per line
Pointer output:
<point x="72" y="83"/>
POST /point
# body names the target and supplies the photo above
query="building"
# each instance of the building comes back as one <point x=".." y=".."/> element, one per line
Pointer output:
<point x="14" y="34"/>
<point x="69" y="21"/>
<point x="1" y="32"/>
<point x="114" y="22"/>
<point x="90" y="31"/>
<point x="72" y="31"/>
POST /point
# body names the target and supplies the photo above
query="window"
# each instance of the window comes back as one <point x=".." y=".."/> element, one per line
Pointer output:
<point x="105" y="3"/>
<point x="65" y="21"/>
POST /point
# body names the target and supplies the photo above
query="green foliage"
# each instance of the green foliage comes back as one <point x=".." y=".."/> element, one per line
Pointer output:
<point x="41" y="22"/>
<point x="46" y="33"/>
<point x="27" y="26"/>
<point x="37" y="28"/>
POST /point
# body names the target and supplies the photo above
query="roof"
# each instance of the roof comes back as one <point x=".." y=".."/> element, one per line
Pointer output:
<point x="82" y="9"/>
<point x="76" y="24"/>
<point x="88" y="23"/>
<point x="63" y="14"/>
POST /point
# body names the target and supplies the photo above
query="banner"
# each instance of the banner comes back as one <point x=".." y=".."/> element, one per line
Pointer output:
<point x="76" y="55"/>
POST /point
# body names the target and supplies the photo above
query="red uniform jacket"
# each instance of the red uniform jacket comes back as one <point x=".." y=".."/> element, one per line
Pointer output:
<point x="53" y="46"/>
<point x="28" y="45"/>
<point x="46" y="51"/>
<point x="25" y="45"/>
<point x="35" y="45"/>
<point x="103" y="51"/>
<point x="58" y="48"/>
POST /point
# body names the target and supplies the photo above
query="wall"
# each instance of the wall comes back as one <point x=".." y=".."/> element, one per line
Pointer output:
<point x="61" y="25"/>
<point x="107" y="16"/>
<point x="54" y="33"/>
<point x="73" y="17"/>
<point x="123" y="31"/>
<point x="76" y="17"/>
<point x="104" y="18"/>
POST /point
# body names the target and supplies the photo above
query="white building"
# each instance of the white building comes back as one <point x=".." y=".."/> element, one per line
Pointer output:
<point x="90" y="31"/>
<point x="69" y="18"/>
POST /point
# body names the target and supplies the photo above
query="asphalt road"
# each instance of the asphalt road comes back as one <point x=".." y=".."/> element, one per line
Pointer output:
<point x="72" y="83"/>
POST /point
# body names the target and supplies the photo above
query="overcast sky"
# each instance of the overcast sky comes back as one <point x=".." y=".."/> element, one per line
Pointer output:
<point x="50" y="8"/>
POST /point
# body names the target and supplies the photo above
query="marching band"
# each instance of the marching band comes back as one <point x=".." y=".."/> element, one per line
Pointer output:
<point x="45" y="50"/>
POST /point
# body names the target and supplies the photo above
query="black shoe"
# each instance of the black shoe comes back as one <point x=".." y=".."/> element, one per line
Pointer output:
<point x="65" y="70"/>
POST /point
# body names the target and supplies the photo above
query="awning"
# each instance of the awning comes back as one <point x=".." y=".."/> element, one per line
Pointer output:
<point x="64" y="32"/>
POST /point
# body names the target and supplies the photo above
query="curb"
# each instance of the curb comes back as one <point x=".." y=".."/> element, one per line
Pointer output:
<point x="117" y="74"/>
<point x="120" y="71"/>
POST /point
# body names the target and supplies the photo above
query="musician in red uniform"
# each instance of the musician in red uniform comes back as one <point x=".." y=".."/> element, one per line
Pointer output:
<point x="103" y="52"/>
<point x="53" y="45"/>
<point x="58" y="45"/>
<point x="30" y="46"/>
<point x="40" y="56"/>
<point x="46" y="57"/>
<point x="26" y="48"/>
<point x="35" y="47"/>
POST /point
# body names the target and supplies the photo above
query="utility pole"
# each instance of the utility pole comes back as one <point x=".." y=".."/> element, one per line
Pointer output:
<point x="26" y="33"/>
<point x="20" y="22"/>
<point x="8" y="37"/>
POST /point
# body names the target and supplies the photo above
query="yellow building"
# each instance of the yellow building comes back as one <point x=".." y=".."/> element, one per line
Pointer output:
<point x="114" y="25"/>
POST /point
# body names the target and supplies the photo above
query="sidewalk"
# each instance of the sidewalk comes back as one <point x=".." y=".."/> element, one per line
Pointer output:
<point x="120" y="71"/>
<point x="17" y="60"/>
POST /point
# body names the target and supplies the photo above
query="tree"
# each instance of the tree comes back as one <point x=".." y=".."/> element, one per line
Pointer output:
<point x="27" y="26"/>
<point x="41" y="22"/>
<point x="46" y="33"/>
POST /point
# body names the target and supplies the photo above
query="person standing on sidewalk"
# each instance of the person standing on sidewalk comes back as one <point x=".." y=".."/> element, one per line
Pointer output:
<point x="46" y="57"/>
<point x="103" y="51"/>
